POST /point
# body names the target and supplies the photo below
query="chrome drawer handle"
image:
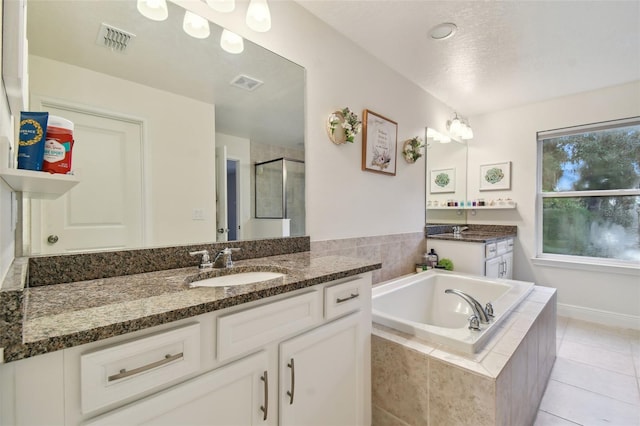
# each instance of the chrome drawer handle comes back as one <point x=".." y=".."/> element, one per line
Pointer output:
<point x="265" y="407"/>
<point x="293" y="381"/>
<point x="353" y="296"/>
<point x="124" y="373"/>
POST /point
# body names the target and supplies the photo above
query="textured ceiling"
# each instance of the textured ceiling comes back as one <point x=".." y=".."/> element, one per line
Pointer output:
<point x="505" y="53"/>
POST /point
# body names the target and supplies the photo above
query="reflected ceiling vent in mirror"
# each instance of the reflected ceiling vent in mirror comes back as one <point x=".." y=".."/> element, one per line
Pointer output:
<point x="245" y="82"/>
<point x="114" y="38"/>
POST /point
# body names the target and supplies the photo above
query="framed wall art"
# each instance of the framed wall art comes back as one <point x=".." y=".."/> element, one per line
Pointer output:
<point x="442" y="181"/>
<point x="495" y="176"/>
<point x="379" y="143"/>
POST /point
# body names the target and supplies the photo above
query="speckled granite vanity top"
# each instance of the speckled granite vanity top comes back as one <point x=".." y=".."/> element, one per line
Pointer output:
<point x="474" y="233"/>
<point x="64" y="315"/>
<point x="472" y="237"/>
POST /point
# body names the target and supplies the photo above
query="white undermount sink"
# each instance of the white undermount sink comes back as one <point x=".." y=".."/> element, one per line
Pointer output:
<point x="237" y="279"/>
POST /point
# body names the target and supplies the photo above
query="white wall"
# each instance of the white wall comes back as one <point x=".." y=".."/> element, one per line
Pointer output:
<point x="510" y="135"/>
<point x="7" y="240"/>
<point x="179" y="158"/>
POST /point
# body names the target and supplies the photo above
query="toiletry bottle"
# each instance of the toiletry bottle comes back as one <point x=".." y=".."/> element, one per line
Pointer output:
<point x="432" y="258"/>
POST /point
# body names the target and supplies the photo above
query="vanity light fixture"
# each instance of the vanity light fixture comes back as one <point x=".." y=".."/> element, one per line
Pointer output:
<point x="436" y="136"/>
<point x="231" y="42"/>
<point x="153" y="9"/>
<point x="459" y="128"/>
<point x="223" y="6"/>
<point x="195" y="25"/>
<point x="258" y="16"/>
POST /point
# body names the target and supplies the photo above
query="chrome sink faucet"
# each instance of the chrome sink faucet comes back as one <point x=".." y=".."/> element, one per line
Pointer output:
<point x="458" y="229"/>
<point x="480" y="314"/>
<point x="205" y="262"/>
<point x="225" y="254"/>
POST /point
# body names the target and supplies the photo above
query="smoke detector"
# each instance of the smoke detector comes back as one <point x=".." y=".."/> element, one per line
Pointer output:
<point x="114" y="38"/>
<point x="245" y="82"/>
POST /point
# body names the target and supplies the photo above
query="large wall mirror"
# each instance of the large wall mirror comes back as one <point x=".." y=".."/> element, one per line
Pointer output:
<point x="446" y="178"/>
<point x="167" y="131"/>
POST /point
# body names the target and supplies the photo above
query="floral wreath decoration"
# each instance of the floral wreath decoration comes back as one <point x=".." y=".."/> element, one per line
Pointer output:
<point x="412" y="149"/>
<point x="349" y="122"/>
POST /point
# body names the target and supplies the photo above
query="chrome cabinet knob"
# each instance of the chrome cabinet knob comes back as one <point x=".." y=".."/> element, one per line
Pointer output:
<point x="52" y="239"/>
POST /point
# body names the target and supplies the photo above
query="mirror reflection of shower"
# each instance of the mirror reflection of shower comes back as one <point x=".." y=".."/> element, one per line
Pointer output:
<point x="279" y="194"/>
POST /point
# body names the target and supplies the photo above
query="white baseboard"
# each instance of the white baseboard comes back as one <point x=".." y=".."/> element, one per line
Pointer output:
<point x="613" y="319"/>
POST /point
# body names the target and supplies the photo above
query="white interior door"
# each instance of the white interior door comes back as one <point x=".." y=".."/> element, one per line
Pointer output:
<point x="104" y="211"/>
<point x="222" y="221"/>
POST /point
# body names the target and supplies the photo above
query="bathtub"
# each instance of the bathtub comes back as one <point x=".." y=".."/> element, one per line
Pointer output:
<point x="417" y="305"/>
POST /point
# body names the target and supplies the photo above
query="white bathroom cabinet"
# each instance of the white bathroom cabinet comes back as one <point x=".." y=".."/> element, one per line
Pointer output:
<point x="321" y="376"/>
<point x="492" y="259"/>
<point x="228" y="367"/>
<point x="229" y="395"/>
<point x="499" y="259"/>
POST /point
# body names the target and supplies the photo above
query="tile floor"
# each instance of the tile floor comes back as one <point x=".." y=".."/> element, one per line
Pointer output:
<point x="596" y="377"/>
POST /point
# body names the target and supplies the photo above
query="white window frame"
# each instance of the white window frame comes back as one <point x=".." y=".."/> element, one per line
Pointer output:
<point x="564" y="260"/>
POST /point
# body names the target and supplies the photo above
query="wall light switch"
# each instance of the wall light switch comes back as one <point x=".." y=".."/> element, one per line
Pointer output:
<point x="197" y="214"/>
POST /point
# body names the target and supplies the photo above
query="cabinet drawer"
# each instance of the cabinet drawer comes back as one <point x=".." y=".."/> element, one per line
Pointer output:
<point x="113" y="374"/>
<point x="230" y="395"/>
<point x="243" y="331"/>
<point x="343" y="298"/>
<point x="490" y="250"/>
<point x="503" y="246"/>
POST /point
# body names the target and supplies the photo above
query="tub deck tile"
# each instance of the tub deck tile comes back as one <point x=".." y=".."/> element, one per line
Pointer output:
<point x="501" y="385"/>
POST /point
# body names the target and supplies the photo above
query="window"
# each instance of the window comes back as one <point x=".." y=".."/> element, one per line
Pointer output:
<point x="589" y="192"/>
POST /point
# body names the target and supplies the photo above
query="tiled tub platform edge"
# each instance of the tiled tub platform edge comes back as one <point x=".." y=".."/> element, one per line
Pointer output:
<point x="416" y="383"/>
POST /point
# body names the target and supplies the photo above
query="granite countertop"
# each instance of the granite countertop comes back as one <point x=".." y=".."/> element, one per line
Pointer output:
<point x="70" y="314"/>
<point x="472" y="237"/>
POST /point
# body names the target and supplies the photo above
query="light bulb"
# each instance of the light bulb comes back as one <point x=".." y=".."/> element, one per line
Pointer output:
<point x="455" y="128"/>
<point x="224" y="6"/>
<point x="468" y="133"/>
<point x="195" y="25"/>
<point x="231" y="42"/>
<point x="258" y="16"/>
<point x="153" y="9"/>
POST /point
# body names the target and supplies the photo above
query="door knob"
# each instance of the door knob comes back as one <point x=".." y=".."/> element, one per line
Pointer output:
<point x="52" y="239"/>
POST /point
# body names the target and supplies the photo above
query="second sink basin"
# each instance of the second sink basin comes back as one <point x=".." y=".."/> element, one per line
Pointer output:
<point x="237" y="279"/>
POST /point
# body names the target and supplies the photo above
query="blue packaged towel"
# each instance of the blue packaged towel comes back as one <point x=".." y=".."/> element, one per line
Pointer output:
<point x="33" y="128"/>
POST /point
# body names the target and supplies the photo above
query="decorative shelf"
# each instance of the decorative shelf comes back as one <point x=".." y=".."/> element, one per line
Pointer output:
<point x="38" y="184"/>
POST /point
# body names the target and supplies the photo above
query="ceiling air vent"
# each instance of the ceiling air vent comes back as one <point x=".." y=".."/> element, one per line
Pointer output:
<point x="114" y="38"/>
<point x="245" y="82"/>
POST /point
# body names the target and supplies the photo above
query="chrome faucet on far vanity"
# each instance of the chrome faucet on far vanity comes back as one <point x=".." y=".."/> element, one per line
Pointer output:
<point x="480" y="314"/>
<point x="458" y="229"/>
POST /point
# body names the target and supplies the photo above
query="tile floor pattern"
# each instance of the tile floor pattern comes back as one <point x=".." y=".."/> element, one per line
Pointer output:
<point x="595" y="379"/>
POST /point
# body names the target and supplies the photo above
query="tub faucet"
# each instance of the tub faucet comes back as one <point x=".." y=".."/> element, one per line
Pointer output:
<point x="478" y="311"/>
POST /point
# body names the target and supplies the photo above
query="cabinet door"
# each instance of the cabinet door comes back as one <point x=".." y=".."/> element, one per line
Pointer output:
<point x="321" y="376"/>
<point x="493" y="267"/>
<point x="507" y="260"/>
<point x="231" y="395"/>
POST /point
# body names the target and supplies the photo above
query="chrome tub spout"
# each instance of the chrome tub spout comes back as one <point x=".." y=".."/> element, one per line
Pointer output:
<point x="476" y="307"/>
